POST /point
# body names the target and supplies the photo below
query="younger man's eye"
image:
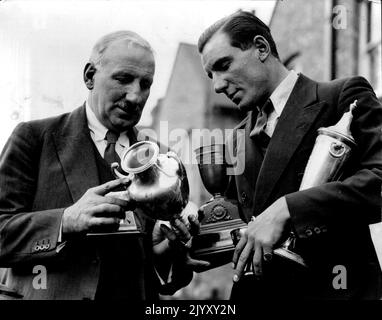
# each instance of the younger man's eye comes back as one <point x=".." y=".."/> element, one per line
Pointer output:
<point x="225" y="65"/>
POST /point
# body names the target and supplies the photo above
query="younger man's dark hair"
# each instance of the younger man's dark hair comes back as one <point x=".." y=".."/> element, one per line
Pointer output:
<point x="241" y="27"/>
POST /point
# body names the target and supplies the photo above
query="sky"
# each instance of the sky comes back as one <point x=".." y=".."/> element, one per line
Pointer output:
<point x="45" y="45"/>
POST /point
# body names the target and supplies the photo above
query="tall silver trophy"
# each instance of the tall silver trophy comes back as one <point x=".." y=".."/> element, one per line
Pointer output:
<point x="221" y="216"/>
<point x="333" y="148"/>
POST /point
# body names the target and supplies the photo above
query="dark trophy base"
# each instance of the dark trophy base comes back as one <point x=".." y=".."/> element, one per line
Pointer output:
<point x="288" y="251"/>
<point x="128" y="226"/>
<point x="214" y="242"/>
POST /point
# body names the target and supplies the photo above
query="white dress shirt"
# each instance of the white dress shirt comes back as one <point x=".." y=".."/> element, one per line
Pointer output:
<point x="279" y="98"/>
<point x="98" y="134"/>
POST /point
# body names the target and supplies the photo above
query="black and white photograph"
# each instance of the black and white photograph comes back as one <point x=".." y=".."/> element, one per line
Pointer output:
<point x="207" y="153"/>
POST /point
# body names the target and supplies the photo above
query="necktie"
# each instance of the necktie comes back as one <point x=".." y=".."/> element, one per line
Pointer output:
<point x="110" y="154"/>
<point x="258" y="132"/>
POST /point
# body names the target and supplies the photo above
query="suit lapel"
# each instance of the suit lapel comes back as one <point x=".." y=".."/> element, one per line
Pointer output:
<point x="76" y="154"/>
<point x="298" y="115"/>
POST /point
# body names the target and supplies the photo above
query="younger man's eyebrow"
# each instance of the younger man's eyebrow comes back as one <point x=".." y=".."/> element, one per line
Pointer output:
<point x="218" y="64"/>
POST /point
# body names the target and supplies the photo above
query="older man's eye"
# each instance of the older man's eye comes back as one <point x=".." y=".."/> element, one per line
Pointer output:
<point x="146" y="84"/>
<point x="125" y="79"/>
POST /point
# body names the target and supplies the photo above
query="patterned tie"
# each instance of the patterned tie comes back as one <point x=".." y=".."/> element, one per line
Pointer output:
<point x="110" y="154"/>
<point x="258" y="132"/>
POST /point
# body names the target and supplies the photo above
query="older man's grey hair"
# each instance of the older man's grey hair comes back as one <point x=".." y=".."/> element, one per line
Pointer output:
<point x="103" y="43"/>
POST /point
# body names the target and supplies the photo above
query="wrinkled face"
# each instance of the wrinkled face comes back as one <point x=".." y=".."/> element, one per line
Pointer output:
<point x="239" y="74"/>
<point x="122" y="84"/>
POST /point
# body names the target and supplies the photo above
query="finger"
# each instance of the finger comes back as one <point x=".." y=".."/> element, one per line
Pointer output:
<point x="119" y="202"/>
<point x="168" y="232"/>
<point x="108" y="210"/>
<point x="257" y="260"/>
<point x="194" y="225"/>
<point x="242" y="261"/>
<point x="239" y="248"/>
<point x="180" y="230"/>
<point x="197" y="265"/>
<point x="102" y="221"/>
<point x="267" y="254"/>
<point x="109" y="186"/>
<point x="174" y="241"/>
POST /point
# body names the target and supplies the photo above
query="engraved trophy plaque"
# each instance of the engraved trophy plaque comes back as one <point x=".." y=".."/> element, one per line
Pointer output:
<point x="214" y="242"/>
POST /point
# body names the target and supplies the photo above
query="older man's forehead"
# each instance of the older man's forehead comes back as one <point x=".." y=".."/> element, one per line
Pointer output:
<point x="129" y="53"/>
<point x="127" y="46"/>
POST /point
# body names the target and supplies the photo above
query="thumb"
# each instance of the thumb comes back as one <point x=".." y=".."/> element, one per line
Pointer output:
<point x="197" y="265"/>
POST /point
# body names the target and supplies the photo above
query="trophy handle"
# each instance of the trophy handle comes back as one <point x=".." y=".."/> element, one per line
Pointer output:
<point x="173" y="155"/>
<point x="114" y="169"/>
<point x="185" y="188"/>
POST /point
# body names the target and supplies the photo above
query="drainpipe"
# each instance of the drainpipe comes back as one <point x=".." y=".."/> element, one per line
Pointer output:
<point x="356" y="31"/>
<point x="333" y="44"/>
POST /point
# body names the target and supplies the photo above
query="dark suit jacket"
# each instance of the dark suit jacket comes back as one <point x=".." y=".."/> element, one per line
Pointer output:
<point x="330" y="221"/>
<point x="46" y="166"/>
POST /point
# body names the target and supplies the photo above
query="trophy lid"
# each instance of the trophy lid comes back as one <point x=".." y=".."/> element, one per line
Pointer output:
<point x="139" y="156"/>
<point x="341" y="130"/>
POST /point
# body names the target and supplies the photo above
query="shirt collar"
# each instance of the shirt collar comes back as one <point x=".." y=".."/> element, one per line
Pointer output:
<point x="94" y="124"/>
<point x="100" y="130"/>
<point x="280" y="95"/>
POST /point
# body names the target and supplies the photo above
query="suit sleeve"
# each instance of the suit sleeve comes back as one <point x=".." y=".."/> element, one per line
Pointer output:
<point x="26" y="236"/>
<point x="357" y="198"/>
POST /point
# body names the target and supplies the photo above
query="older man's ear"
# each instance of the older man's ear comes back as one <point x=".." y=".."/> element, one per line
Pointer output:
<point x="89" y="72"/>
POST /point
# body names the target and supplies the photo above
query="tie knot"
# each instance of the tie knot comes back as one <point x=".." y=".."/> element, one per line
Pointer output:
<point x="111" y="137"/>
<point x="267" y="107"/>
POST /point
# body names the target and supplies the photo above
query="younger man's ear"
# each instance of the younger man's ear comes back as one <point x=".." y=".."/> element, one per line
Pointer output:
<point x="263" y="47"/>
<point x="89" y="72"/>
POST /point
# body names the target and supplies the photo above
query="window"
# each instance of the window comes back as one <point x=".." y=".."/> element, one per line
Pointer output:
<point x="370" y="44"/>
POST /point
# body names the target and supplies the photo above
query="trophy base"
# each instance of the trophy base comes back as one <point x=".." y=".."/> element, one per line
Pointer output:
<point x="290" y="255"/>
<point x="127" y="226"/>
<point x="128" y="232"/>
<point x="214" y="242"/>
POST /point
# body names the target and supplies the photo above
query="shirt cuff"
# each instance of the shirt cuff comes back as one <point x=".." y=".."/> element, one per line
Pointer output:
<point x="169" y="276"/>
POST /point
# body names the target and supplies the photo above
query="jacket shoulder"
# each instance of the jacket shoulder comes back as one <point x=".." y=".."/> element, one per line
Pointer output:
<point x="338" y="85"/>
<point x="41" y="127"/>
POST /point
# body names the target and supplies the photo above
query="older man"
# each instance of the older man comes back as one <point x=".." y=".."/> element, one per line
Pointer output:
<point x="285" y="109"/>
<point x="54" y="179"/>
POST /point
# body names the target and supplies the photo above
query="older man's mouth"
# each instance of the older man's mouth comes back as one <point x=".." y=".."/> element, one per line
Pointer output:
<point x="128" y="109"/>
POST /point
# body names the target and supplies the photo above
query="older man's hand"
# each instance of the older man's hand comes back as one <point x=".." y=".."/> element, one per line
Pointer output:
<point x="97" y="209"/>
<point x="259" y="239"/>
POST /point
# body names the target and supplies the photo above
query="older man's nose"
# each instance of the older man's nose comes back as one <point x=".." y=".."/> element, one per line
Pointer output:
<point x="133" y="92"/>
